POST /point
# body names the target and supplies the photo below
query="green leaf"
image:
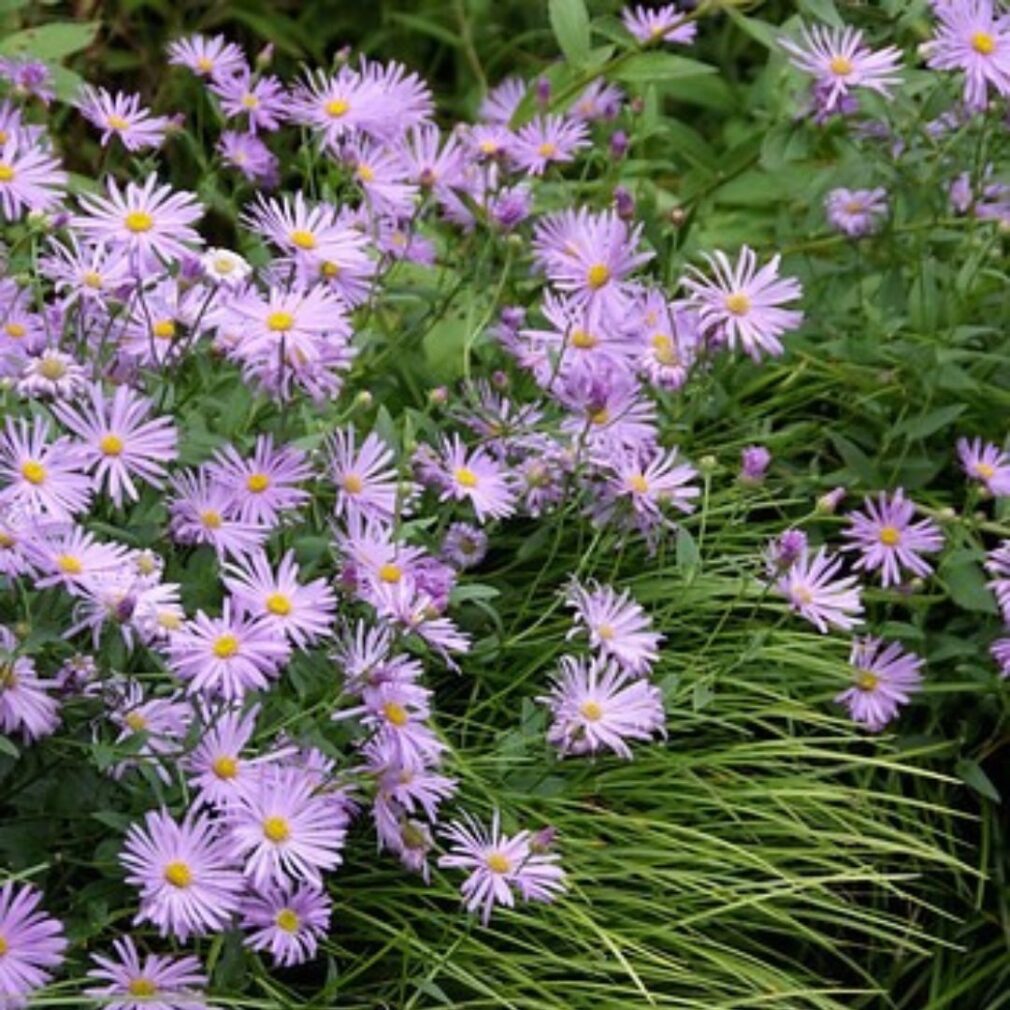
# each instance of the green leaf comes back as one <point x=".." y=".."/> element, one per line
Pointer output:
<point x="9" y="748"/>
<point x="51" y="42"/>
<point x="822" y="10"/>
<point x="687" y="550"/>
<point x="966" y="583"/>
<point x="648" y="68"/>
<point x="971" y="774"/>
<point x="570" y="24"/>
<point x="924" y="425"/>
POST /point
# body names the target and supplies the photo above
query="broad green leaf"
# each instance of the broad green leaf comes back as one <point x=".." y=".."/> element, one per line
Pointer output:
<point x="649" y="67"/>
<point x="966" y="583"/>
<point x="971" y="774"/>
<point x="570" y="24"/>
<point x="924" y="425"/>
<point x="51" y="42"/>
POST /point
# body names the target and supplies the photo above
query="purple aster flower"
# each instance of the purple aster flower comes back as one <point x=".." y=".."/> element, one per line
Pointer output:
<point x="289" y="922"/>
<point x="548" y="140"/>
<point x="264" y="485"/>
<point x="212" y="57"/>
<point x="856" y="212"/>
<point x="263" y="99"/>
<point x="743" y="303"/>
<point x="32" y="944"/>
<point x="812" y="589"/>
<point x="364" y="476"/>
<point x="247" y="153"/>
<point x="839" y="60"/>
<point x="754" y="462"/>
<point x="499" y="866"/>
<point x="884" y="678"/>
<point x="70" y="557"/>
<point x="284" y="829"/>
<point x="382" y="176"/>
<point x="303" y="612"/>
<point x="225" y="267"/>
<point x="1000" y="651"/>
<point x="340" y="105"/>
<point x="28" y="77"/>
<point x="998" y="564"/>
<point x="502" y="101"/>
<point x="510" y="206"/>
<point x="887" y="538"/>
<point x="203" y="511"/>
<point x="599" y="101"/>
<point x="986" y="463"/>
<point x="39" y="475"/>
<point x="436" y="166"/>
<point x="973" y="36"/>
<point x="596" y="705"/>
<point x="120" y="441"/>
<point x="25" y="705"/>
<point x="51" y="374"/>
<point x="151" y="221"/>
<point x="121" y="115"/>
<point x="475" y="476"/>
<point x="413" y="610"/>
<point x="784" y="550"/>
<point x="227" y="655"/>
<point x="82" y="272"/>
<point x="464" y="545"/>
<point x="30" y="178"/>
<point x="159" y="724"/>
<point x="663" y="24"/>
<point x="617" y="626"/>
<point x="185" y="873"/>
<point x="156" y="982"/>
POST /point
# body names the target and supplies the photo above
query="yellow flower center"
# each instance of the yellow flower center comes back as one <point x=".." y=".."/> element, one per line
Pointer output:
<point x="983" y="43"/>
<point x="366" y="173"/>
<point x="591" y="710"/>
<point x="115" y="122"/>
<point x="597" y="275"/>
<point x="169" y="620"/>
<point x="225" y="646"/>
<point x="985" y="471"/>
<point x="52" y="369"/>
<point x="583" y="340"/>
<point x="279" y="604"/>
<point x="638" y="483"/>
<point x="70" y="565"/>
<point x="599" y="417"/>
<point x="15" y="330"/>
<point x="33" y="471"/>
<point x="224" y="265"/>
<point x="111" y="445"/>
<point x="803" y="594"/>
<point x="3" y="946"/>
<point x="211" y="519"/>
<point x="250" y="101"/>
<point x="548" y="150"/>
<point x="225" y="767"/>
<point x="841" y="66"/>
<point x="6" y="172"/>
<point x="890" y="536"/>
<point x="164" y="329"/>
<point x="178" y="874"/>
<point x="353" y="484"/>
<point x="738" y="303"/>
<point x="141" y="987"/>
<point x="498" y="862"/>
<point x="135" y="721"/>
<point x="280" y="322"/>
<point x="488" y="147"/>
<point x="390" y="573"/>
<point x="257" y="482"/>
<point x="329" y="269"/>
<point x="287" y="919"/>
<point x="465" y="476"/>
<point x="204" y="64"/>
<point x="303" y="239"/>
<point x="866" y="680"/>
<point x="662" y="346"/>
<point x="606" y="632"/>
<point x="92" y="279"/>
<point x="276" y="829"/>
<point x="395" y="713"/>
<point x="337" y="107"/>
<point x="6" y="541"/>
<point x="138" y="221"/>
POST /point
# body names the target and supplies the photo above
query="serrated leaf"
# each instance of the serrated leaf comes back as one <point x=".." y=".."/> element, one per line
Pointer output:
<point x="570" y="24"/>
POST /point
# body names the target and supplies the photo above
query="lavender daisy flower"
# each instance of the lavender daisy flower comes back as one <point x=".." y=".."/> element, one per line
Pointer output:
<point x="464" y="545"/>
<point x="185" y="874"/>
<point x="499" y="866"/>
<point x="203" y="512"/>
<point x="32" y="944"/>
<point x="754" y="462"/>
<point x="998" y="563"/>
<point x="812" y="589"/>
<point x="28" y="77"/>
<point x="212" y="57"/>
<point x="856" y="212"/>
<point x="51" y="374"/>
<point x="158" y="723"/>
<point x="477" y="477"/>
<point x="301" y="612"/>
<point x="39" y="475"/>
<point x="784" y="550"/>
<point x="264" y="486"/>
<point x="839" y="60"/>
<point x="382" y="177"/>
<point x="743" y="303"/>
<point x="121" y="115"/>
<point x="247" y="153"/>
<point x="1000" y="651"/>
<point x="70" y="557"/>
<point x="25" y="705"/>
<point x="339" y="105"/>
<point x="885" y="677"/>
<point x="284" y="829"/>
<point x="365" y="479"/>
<point x="597" y="705"/>
<point x="264" y="100"/>
<point x="227" y="655"/>
<point x="501" y="102"/>
<point x="120" y="441"/>
<point x="664" y="24"/>
<point x="617" y="626"/>
<point x="30" y="178"/>
<point x="225" y="267"/>
<point x="288" y="922"/>
<point x="548" y="140"/>
<point x="973" y="36"/>
<point x="887" y="538"/>
<point x="986" y="463"/>
<point x="156" y="982"/>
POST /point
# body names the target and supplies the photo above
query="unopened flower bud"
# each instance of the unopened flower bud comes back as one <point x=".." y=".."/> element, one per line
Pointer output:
<point x="637" y="105"/>
<point x="543" y="91"/>
<point x="754" y="461"/>
<point x="678" y="216"/>
<point x="363" y="400"/>
<point x="438" y="396"/>
<point x="619" y="143"/>
<point x="265" y="56"/>
<point x="707" y="464"/>
<point x="624" y="203"/>
<point x="828" y="503"/>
